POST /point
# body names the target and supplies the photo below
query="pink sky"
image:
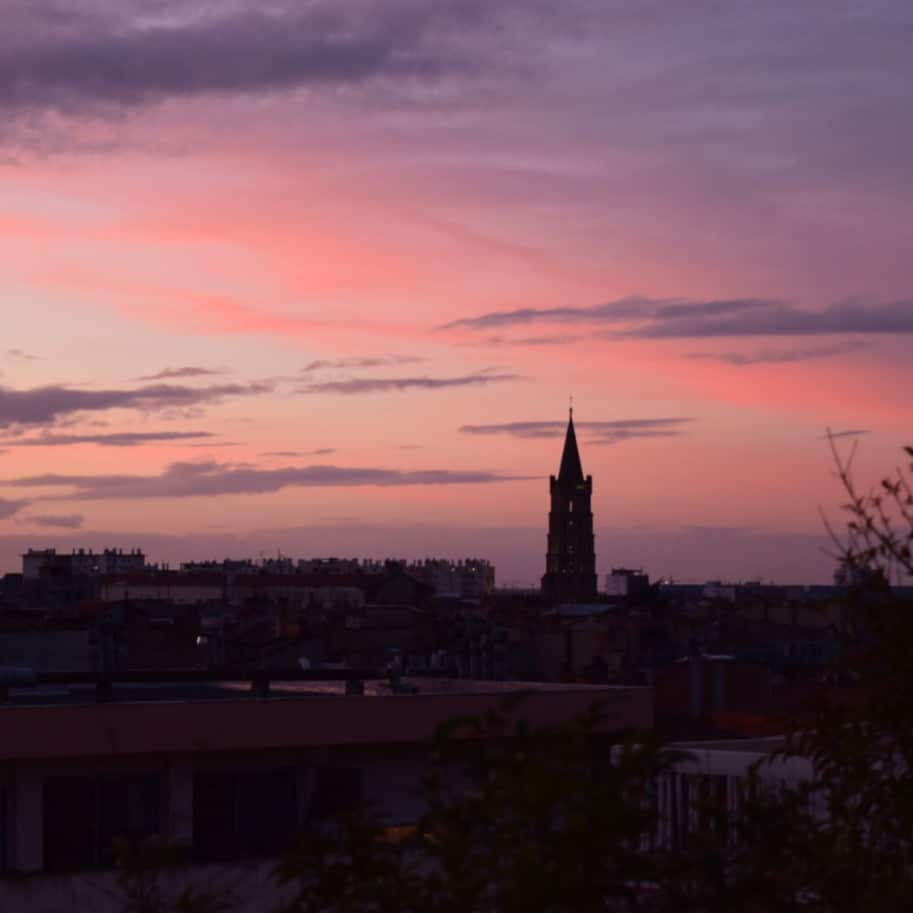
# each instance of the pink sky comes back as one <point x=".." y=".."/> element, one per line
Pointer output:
<point x="280" y="255"/>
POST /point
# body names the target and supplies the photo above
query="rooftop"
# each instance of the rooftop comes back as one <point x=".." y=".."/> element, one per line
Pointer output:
<point x="74" y="693"/>
<point x="178" y="718"/>
<point x="766" y="745"/>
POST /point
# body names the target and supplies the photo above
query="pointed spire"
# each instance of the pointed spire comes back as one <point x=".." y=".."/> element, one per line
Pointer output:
<point x="571" y="470"/>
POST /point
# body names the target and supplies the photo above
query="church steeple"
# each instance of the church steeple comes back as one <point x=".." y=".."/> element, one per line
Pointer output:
<point x="571" y="471"/>
<point x="570" y="564"/>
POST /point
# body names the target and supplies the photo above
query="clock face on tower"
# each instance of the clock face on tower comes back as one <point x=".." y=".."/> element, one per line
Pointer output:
<point x="570" y="562"/>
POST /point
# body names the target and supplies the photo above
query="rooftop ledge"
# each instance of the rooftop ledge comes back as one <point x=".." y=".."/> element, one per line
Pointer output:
<point x="173" y="719"/>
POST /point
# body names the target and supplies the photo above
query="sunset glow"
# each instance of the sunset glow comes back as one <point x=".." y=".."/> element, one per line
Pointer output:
<point x="264" y="305"/>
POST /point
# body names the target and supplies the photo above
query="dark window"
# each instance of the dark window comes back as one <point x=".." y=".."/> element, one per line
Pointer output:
<point x="5" y="861"/>
<point x="684" y="810"/>
<point x="215" y="814"/>
<point x="337" y="790"/>
<point x="84" y="816"/>
<point x="674" y="812"/>
<point x="710" y="801"/>
<point x="243" y="813"/>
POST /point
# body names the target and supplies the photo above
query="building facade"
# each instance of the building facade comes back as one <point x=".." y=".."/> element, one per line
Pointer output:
<point x="627" y="583"/>
<point x="472" y="578"/>
<point x="222" y="774"/>
<point x="37" y="563"/>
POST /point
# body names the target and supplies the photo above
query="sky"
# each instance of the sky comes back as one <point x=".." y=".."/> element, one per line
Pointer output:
<point x="320" y="277"/>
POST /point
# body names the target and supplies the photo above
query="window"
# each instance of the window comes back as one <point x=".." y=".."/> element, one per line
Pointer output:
<point x="5" y="860"/>
<point x="84" y="816"/>
<point x="711" y="802"/>
<point x="675" y="826"/>
<point x="337" y="790"/>
<point x="243" y="813"/>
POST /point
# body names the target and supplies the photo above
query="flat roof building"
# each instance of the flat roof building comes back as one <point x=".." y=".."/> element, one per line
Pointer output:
<point x="223" y="770"/>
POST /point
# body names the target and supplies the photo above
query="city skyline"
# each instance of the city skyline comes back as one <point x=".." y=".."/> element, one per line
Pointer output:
<point x="334" y="286"/>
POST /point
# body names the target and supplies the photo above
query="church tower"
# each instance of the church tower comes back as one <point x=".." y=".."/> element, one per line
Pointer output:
<point x="570" y="565"/>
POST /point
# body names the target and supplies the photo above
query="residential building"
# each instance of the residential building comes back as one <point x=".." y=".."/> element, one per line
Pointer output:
<point x="719" y="771"/>
<point x="468" y="579"/>
<point x="154" y="584"/>
<point x="627" y="583"/>
<point x="38" y="563"/>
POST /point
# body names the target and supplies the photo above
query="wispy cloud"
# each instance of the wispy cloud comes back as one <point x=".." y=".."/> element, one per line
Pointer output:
<point x="179" y="373"/>
<point x="65" y="521"/>
<point x="779" y="356"/>
<point x="210" y="478"/>
<point x="399" y="384"/>
<point x="212" y="445"/>
<point x="646" y="318"/>
<point x="9" y="508"/>
<point x="765" y="318"/>
<point x="607" y="432"/>
<point x="45" y="405"/>
<point x="557" y="339"/>
<point x="21" y="356"/>
<point x="114" y="439"/>
<point x="292" y="454"/>
<point x="613" y="312"/>
<point x="355" y="363"/>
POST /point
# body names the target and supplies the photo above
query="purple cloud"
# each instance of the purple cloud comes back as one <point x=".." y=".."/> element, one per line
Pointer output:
<point x="121" y="57"/>
<point x="178" y="373"/>
<point x="614" y="312"/>
<point x="388" y="384"/>
<point x="606" y="432"/>
<point x="353" y="363"/>
<point x="55" y="521"/>
<point x="9" y="508"/>
<point x="320" y="451"/>
<point x="646" y="318"/>
<point x="558" y="339"/>
<point x="115" y="439"/>
<point x="210" y="478"/>
<point x="763" y="318"/>
<point x="45" y="405"/>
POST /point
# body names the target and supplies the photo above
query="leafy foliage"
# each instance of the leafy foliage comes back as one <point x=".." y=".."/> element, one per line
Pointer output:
<point x="841" y="841"/>
<point x="517" y="819"/>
